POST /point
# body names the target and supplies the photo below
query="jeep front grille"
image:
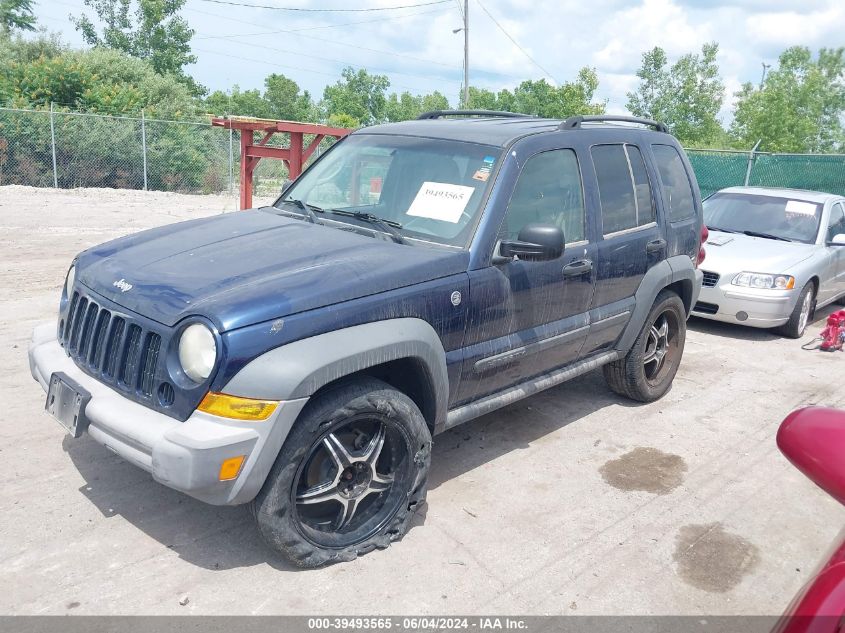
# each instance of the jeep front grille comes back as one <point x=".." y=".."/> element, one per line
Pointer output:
<point x="123" y="356"/>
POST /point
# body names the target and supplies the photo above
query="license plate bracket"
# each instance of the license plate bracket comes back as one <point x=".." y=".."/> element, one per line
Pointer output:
<point x="66" y="402"/>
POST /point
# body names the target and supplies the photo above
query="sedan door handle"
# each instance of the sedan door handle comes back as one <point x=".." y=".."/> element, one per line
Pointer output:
<point x="655" y="246"/>
<point x="577" y="268"/>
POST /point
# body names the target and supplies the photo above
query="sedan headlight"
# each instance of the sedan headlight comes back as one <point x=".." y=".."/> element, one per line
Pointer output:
<point x="763" y="280"/>
<point x="71" y="277"/>
<point x="197" y="352"/>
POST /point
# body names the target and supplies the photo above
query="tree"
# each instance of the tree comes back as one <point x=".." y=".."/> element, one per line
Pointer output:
<point x="358" y="95"/>
<point x="16" y="14"/>
<point x="686" y="97"/>
<point x="800" y="106"/>
<point x="285" y="101"/>
<point x="281" y="100"/>
<point x="154" y="32"/>
<point x="540" y="98"/>
<point x="406" y="106"/>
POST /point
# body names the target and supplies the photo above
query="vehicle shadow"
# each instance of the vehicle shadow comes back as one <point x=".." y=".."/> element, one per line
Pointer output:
<point x="221" y="537"/>
<point x="211" y="537"/>
<point x="516" y="426"/>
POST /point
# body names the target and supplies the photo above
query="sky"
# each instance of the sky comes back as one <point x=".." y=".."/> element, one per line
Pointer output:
<point x="418" y="51"/>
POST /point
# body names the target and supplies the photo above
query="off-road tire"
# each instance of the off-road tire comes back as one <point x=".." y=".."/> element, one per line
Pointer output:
<point x="793" y="328"/>
<point x="273" y="507"/>
<point x="628" y="375"/>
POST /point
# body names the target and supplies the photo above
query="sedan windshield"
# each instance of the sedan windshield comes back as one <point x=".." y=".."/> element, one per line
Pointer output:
<point x="769" y="217"/>
<point x="425" y="189"/>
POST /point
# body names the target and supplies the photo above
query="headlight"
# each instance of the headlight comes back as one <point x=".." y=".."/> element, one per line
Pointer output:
<point x="71" y="277"/>
<point x="762" y="280"/>
<point x="197" y="352"/>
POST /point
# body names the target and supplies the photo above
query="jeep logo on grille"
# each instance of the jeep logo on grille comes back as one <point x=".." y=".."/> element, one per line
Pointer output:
<point x="122" y="285"/>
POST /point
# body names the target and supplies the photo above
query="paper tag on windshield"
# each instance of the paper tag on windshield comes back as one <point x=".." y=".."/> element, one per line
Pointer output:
<point x="804" y="208"/>
<point x="441" y="201"/>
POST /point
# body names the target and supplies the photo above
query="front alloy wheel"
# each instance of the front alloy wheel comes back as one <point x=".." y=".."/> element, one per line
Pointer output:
<point x="801" y="314"/>
<point x="349" y="477"/>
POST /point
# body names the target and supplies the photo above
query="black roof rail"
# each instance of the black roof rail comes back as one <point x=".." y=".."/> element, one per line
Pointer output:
<point x="439" y="114"/>
<point x="574" y="122"/>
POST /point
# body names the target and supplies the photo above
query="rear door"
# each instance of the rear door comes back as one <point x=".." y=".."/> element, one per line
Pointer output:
<point x="631" y="239"/>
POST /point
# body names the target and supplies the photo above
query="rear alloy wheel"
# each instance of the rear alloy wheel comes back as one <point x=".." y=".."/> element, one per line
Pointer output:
<point x="648" y="369"/>
<point x="349" y="477"/>
<point x="801" y="314"/>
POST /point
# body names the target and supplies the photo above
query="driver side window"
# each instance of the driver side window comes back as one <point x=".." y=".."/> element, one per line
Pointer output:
<point x="836" y="225"/>
<point x="548" y="191"/>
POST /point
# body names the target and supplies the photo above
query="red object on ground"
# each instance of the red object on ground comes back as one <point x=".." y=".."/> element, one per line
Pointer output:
<point x="294" y="155"/>
<point x="834" y="333"/>
<point x="813" y="439"/>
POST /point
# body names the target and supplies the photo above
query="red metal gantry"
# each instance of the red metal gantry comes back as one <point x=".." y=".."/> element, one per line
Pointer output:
<point x="294" y="155"/>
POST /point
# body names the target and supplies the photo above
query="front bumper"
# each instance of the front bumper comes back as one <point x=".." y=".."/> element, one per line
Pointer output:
<point x="185" y="455"/>
<point x="763" y="308"/>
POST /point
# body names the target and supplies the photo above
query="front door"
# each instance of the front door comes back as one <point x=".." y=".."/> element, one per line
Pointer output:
<point x="836" y="281"/>
<point x="527" y="317"/>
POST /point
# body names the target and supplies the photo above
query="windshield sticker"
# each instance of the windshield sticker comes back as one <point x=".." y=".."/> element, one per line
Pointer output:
<point x="483" y="172"/>
<point x="441" y="201"/>
<point x="802" y="208"/>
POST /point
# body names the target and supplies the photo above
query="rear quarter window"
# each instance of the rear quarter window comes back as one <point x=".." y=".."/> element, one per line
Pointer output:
<point x="678" y="198"/>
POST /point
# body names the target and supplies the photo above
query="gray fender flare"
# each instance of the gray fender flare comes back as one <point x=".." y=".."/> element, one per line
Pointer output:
<point x="670" y="271"/>
<point x="299" y="369"/>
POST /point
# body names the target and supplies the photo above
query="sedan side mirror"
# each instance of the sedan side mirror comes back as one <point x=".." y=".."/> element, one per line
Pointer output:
<point x="536" y="242"/>
<point x="286" y="183"/>
<point x="838" y="240"/>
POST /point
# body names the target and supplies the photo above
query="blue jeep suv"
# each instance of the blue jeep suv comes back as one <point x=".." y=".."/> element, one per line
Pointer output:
<point x="300" y="357"/>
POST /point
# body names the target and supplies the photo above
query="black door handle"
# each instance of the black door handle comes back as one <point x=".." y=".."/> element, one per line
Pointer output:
<point x="655" y="246"/>
<point x="577" y="268"/>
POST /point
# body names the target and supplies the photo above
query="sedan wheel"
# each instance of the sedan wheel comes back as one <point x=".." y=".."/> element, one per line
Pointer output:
<point x="801" y="314"/>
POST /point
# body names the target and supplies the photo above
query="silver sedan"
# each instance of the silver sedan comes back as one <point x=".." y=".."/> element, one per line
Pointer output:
<point x="773" y="257"/>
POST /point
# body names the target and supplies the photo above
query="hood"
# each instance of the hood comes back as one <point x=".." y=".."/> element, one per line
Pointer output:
<point x="735" y="253"/>
<point x="251" y="266"/>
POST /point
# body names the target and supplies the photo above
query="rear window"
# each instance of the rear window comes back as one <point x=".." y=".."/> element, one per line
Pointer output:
<point x="624" y="190"/>
<point x="678" y="198"/>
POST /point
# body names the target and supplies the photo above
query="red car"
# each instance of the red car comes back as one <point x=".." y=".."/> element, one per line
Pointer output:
<point x="813" y="439"/>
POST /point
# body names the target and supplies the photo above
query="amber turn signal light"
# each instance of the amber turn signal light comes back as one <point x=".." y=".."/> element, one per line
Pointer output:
<point x="237" y="408"/>
<point x="231" y="468"/>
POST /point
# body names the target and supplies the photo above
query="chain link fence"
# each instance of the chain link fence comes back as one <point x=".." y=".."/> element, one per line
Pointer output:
<point x="42" y="148"/>
<point x="717" y="169"/>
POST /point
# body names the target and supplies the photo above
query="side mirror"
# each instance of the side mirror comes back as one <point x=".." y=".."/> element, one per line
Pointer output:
<point x="286" y="183"/>
<point x="838" y="240"/>
<point x="536" y="242"/>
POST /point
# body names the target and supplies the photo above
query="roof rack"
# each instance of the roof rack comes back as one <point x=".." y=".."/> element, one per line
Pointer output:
<point x="574" y="122"/>
<point x="439" y="114"/>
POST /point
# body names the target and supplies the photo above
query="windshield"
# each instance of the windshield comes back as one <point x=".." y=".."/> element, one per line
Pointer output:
<point x="428" y="189"/>
<point x="765" y="216"/>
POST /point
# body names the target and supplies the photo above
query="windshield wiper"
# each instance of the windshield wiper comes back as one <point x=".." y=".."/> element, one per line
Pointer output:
<point x="388" y="226"/>
<point x="719" y="228"/>
<point x="307" y="209"/>
<point x="768" y="236"/>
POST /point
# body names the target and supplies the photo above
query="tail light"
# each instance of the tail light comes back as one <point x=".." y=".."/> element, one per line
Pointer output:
<point x="701" y="252"/>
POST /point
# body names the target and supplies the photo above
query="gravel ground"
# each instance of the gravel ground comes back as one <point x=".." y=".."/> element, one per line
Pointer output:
<point x="574" y="501"/>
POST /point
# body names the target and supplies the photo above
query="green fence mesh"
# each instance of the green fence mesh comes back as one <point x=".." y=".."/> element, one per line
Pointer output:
<point x="817" y="172"/>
